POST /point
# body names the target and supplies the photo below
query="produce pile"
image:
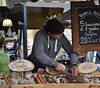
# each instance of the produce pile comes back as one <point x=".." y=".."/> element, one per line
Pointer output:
<point x="25" y="78"/>
<point x="60" y="78"/>
<point x="90" y="78"/>
<point x="55" y="79"/>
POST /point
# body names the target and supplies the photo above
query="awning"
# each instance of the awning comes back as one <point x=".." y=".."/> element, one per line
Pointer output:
<point x="11" y="3"/>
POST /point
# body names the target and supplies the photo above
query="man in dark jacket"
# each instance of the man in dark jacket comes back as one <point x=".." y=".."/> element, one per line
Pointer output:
<point x="47" y="43"/>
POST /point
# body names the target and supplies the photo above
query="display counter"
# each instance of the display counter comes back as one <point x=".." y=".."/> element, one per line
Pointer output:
<point x="54" y="85"/>
<point x="68" y="85"/>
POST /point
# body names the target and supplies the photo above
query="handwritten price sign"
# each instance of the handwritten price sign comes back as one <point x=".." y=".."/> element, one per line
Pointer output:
<point x="21" y="65"/>
<point x="87" y="67"/>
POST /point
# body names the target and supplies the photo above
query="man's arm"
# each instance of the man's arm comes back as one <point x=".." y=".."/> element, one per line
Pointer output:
<point x="68" y="48"/>
<point x="73" y="56"/>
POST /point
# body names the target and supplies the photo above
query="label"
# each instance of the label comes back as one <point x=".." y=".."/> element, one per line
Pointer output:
<point x="21" y="65"/>
<point x="87" y="67"/>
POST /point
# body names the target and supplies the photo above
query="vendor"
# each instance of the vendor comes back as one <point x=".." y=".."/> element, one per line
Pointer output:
<point x="47" y="43"/>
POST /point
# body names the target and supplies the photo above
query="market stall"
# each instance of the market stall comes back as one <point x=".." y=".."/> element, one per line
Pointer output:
<point x="22" y="77"/>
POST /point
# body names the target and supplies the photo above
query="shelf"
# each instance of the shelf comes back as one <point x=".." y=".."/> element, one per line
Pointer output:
<point x="10" y="38"/>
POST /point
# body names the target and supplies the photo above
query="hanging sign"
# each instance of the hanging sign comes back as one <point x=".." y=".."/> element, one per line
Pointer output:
<point x="21" y="65"/>
<point x="87" y="67"/>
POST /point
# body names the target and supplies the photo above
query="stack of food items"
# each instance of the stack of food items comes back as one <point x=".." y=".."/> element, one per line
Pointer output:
<point x="93" y="77"/>
<point x="61" y="78"/>
<point x="52" y="76"/>
<point x="2" y="79"/>
<point x="87" y="74"/>
<point x="29" y="78"/>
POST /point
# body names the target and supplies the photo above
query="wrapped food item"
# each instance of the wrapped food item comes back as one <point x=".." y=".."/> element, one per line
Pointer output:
<point x="35" y="76"/>
<point x="2" y="81"/>
<point x="15" y="74"/>
<point x="31" y="81"/>
<point x="15" y="80"/>
<point x="61" y="78"/>
<point x="28" y="74"/>
<point x="40" y="71"/>
<point x="24" y="81"/>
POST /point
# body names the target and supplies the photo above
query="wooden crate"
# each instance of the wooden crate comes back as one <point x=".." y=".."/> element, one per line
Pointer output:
<point x="7" y="78"/>
<point x="4" y="85"/>
<point x="54" y="85"/>
<point x="63" y="79"/>
<point x="4" y="76"/>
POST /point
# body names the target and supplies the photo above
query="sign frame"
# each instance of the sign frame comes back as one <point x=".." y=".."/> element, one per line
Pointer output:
<point x="77" y="47"/>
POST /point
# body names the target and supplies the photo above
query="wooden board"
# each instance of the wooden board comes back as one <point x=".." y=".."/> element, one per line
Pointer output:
<point x="94" y="86"/>
<point x="21" y="65"/>
<point x="28" y="86"/>
<point x="73" y="85"/>
<point x="85" y="18"/>
<point x="40" y="78"/>
<point x="4" y="76"/>
<point x="87" y="67"/>
<point x="4" y="86"/>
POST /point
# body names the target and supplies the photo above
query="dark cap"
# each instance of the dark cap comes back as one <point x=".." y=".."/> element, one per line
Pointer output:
<point x="54" y="26"/>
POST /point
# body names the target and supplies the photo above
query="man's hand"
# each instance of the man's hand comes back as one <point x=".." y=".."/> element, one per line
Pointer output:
<point x="60" y="68"/>
<point x="75" y="70"/>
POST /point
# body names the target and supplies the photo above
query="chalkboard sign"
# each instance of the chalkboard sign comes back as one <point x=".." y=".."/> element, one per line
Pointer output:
<point x="89" y="25"/>
<point x="85" y="26"/>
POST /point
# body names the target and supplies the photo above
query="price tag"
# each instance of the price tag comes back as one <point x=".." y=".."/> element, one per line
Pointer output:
<point x="87" y="67"/>
<point x="21" y="65"/>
